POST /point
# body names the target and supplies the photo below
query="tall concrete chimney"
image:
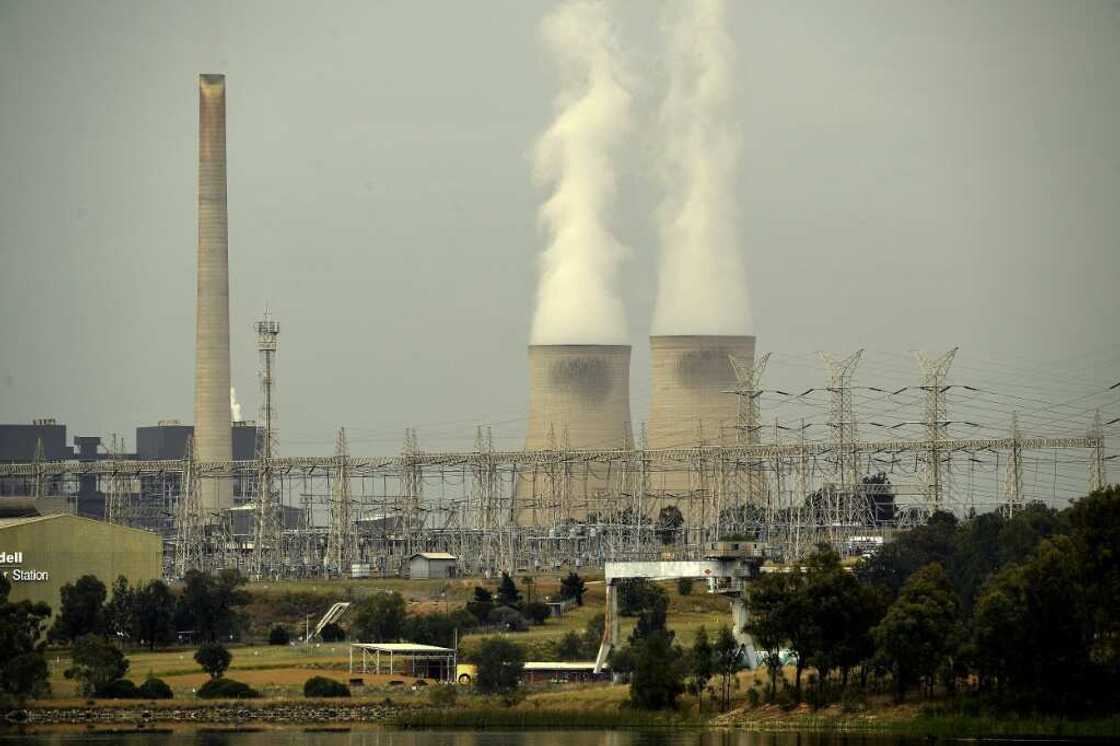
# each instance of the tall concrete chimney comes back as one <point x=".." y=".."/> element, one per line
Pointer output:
<point x="579" y="394"/>
<point x="690" y="375"/>
<point x="213" y="440"/>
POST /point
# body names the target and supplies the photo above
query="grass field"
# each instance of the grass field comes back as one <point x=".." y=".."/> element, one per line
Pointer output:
<point x="281" y="670"/>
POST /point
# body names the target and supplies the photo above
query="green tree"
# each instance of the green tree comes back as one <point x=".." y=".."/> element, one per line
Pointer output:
<point x="537" y="611"/>
<point x="154" y="612"/>
<point x="82" y="610"/>
<point x="770" y="619"/>
<point x="380" y="618"/>
<point x="657" y="671"/>
<point x="500" y="663"/>
<point x="95" y="663"/>
<point x="1040" y="607"/>
<point x="572" y="587"/>
<point x="508" y="595"/>
<point x="211" y="604"/>
<point x="481" y="605"/>
<point x="1095" y="530"/>
<point x="23" y="669"/>
<point x="701" y="667"/>
<point x="919" y="632"/>
<point x="635" y="595"/>
<point x="570" y="647"/>
<point x="120" y="610"/>
<point x="213" y="658"/>
<point x="890" y="567"/>
<point x="653" y="615"/>
<point x="670" y="520"/>
<point x="728" y="662"/>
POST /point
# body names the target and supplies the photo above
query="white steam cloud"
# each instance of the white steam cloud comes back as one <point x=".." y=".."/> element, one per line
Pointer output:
<point x="702" y="287"/>
<point x="234" y="405"/>
<point x="577" y="294"/>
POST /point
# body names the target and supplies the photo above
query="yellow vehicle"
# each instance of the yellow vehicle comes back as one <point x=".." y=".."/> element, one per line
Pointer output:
<point x="465" y="673"/>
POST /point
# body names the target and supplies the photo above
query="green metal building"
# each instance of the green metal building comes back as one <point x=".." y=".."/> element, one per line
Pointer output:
<point x="40" y="554"/>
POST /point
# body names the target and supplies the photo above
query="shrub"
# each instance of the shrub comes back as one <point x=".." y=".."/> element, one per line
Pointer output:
<point x="537" y="611"/>
<point x="332" y="633"/>
<point x="754" y="698"/>
<point x="119" y="689"/>
<point x="154" y="688"/>
<point x="321" y="686"/>
<point x="442" y="696"/>
<point x="278" y="635"/>
<point x="96" y="663"/>
<point x="684" y="586"/>
<point x="213" y="658"/>
<point x="508" y="619"/>
<point x="500" y="663"/>
<point x="226" y="689"/>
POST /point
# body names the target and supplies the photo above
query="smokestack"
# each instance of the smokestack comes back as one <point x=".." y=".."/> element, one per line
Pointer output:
<point x="213" y="440"/>
<point x="579" y="397"/>
<point x="691" y="374"/>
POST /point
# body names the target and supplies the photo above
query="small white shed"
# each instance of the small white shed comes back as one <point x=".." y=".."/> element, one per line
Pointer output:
<point x="432" y="565"/>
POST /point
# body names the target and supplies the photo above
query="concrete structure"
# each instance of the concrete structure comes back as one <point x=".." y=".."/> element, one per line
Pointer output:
<point x="557" y="672"/>
<point x="40" y="554"/>
<point x="212" y="441"/>
<point x="727" y="568"/>
<point x="579" y="397"/>
<point x="424" y="565"/>
<point x="690" y="377"/>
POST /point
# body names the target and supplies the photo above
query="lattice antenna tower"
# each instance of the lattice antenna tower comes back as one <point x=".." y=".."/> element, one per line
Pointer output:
<point x="266" y="548"/>
<point x="934" y="373"/>
<point x="340" y="542"/>
<point x="842" y="416"/>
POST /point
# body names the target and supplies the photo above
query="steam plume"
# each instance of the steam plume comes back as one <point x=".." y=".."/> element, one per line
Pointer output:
<point x="234" y="405"/>
<point x="577" y="294"/>
<point x="702" y="286"/>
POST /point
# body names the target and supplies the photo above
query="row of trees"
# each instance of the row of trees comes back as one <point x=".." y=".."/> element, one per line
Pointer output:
<point x="209" y="606"/>
<point x="1019" y="610"/>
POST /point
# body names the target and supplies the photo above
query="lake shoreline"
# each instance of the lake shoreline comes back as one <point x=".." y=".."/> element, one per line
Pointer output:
<point x="362" y="715"/>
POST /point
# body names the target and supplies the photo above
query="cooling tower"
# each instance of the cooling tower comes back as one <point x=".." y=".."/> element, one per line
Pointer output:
<point x="212" y="435"/>
<point x="579" y="397"/>
<point x="691" y="375"/>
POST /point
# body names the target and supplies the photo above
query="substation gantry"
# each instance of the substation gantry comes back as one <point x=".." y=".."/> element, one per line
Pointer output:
<point x="727" y="568"/>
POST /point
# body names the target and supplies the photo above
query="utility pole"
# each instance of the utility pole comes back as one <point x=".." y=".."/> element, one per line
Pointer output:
<point x="1097" y="476"/>
<point x="1013" y="486"/>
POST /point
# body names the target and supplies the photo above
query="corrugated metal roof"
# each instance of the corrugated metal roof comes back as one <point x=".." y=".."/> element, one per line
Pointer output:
<point x="9" y="522"/>
<point x="434" y="555"/>
<point x="559" y="666"/>
<point x="401" y="647"/>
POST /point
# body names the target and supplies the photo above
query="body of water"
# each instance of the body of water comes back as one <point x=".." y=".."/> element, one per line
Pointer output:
<point x="488" y="738"/>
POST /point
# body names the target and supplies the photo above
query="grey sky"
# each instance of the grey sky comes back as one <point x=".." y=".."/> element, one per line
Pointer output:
<point x="915" y="174"/>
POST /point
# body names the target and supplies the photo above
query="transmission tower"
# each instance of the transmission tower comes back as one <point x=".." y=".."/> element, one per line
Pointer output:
<point x="266" y="548"/>
<point x="748" y="420"/>
<point x="189" y="528"/>
<point x="38" y="483"/>
<point x="1097" y="476"/>
<point x="842" y="417"/>
<point x="118" y="500"/>
<point x="934" y="371"/>
<point x="340" y="542"/>
<point x="1013" y="483"/>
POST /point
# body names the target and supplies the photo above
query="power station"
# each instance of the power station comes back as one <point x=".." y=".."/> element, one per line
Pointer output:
<point x="581" y="491"/>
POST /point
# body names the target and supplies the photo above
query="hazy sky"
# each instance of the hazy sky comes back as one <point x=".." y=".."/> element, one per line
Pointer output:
<point x="914" y="175"/>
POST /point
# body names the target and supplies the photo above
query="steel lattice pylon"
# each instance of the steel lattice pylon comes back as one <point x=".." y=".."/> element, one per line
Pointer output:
<point x="269" y="523"/>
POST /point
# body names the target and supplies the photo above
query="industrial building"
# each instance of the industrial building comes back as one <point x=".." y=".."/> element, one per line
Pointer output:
<point x="427" y="565"/>
<point x="41" y="553"/>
